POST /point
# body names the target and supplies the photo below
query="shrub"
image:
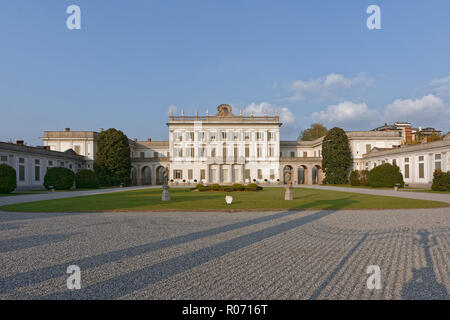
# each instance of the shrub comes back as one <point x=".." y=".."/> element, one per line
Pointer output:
<point x="86" y="179"/>
<point x="215" y="187"/>
<point x="354" y="178"/>
<point x="364" y="177"/>
<point x="238" y="187"/>
<point x="59" y="178"/>
<point x="441" y="181"/>
<point x="228" y="189"/>
<point x="252" y="187"/>
<point x="199" y="186"/>
<point x="205" y="188"/>
<point x="8" y="179"/>
<point x="385" y="175"/>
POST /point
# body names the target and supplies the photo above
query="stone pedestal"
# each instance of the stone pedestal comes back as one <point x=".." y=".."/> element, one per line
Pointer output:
<point x="165" y="194"/>
<point x="288" y="195"/>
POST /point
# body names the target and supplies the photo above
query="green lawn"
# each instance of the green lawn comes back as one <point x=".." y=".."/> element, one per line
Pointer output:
<point x="186" y="200"/>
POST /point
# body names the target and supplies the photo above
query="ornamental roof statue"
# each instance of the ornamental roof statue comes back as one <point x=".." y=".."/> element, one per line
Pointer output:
<point x="224" y="110"/>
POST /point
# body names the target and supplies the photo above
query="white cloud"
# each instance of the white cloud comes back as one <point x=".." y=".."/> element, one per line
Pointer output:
<point x="327" y="85"/>
<point x="286" y="115"/>
<point x="441" y="86"/>
<point x="427" y="109"/>
<point x="346" y="114"/>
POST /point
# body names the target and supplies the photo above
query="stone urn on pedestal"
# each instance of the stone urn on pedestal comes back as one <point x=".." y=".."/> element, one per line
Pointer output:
<point x="288" y="194"/>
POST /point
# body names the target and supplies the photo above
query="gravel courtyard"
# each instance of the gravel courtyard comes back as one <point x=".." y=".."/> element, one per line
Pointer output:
<point x="247" y="255"/>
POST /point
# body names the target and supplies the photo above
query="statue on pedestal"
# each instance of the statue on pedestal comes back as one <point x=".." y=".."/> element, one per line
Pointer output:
<point x="288" y="195"/>
<point x="165" y="194"/>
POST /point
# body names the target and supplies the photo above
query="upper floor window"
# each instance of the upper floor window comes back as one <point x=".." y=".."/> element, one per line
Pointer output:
<point x="271" y="136"/>
<point x="224" y="135"/>
<point x="259" y="135"/>
<point x="420" y="158"/>
<point x="212" y="136"/>
<point x="247" y="136"/>
<point x="4" y="158"/>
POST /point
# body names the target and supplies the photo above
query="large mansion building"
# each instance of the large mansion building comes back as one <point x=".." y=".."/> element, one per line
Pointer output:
<point x="226" y="148"/>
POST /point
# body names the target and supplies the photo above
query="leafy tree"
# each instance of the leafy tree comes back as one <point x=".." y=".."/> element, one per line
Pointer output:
<point x="86" y="179"/>
<point x="315" y="131"/>
<point x="336" y="157"/>
<point x="8" y="179"/>
<point x="434" y="137"/>
<point x="441" y="181"/>
<point x="113" y="160"/>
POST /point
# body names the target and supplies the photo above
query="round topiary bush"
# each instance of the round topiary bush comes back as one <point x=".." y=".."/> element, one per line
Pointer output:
<point x="251" y="187"/>
<point x="86" y="179"/>
<point x="59" y="178"/>
<point x="386" y="175"/>
<point x="238" y="187"/>
<point x="199" y="186"/>
<point x="215" y="187"/>
<point x="8" y="179"/>
<point x="441" y="181"/>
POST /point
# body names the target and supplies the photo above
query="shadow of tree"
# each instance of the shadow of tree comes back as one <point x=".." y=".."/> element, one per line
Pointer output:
<point x="423" y="284"/>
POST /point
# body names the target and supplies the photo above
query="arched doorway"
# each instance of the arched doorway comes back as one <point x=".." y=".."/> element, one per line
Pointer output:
<point x="315" y="174"/>
<point x="133" y="176"/>
<point x="287" y="168"/>
<point x="301" y="173"/>
<point x="159" y="175"/>
<point x="146" y="176"/>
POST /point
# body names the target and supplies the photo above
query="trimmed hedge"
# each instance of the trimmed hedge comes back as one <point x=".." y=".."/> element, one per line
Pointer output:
<point x="441" y="181"/>
<point x="59" y="178"/>
<point x="359" y="178"/>
<point x="8" y="179"/>
<point x="86" y="179"/>
<point x="386" y="175"/>
<point x="234" y="187"/>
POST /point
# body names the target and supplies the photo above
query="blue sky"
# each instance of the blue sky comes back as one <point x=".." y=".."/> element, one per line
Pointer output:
<point x="132" y="61"/>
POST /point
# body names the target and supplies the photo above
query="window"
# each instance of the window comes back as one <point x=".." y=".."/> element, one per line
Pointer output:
<point x="224" y="154"/>
<point x="142" y="155"/>
<point x="420" y="158"/>
<point x="259" y="136"/>
<point x="437" y="163"/>
<point x="202" y="174"/>
<point x="259" y="152"/>
<point x="247" y="151"/>
<point x="271" y="136"/>
<point x="305" y="154"/>
<point x="292" y="154"/>
<point x="202" y="151"/>
<point x="61" y="163"/>
<point x="178" y="174"/>
<point x="437" y="156"/>
<point x="213" y="152"/>
<point x="4" y="158"/>
<point x="201" y="135"/>
<point x="180" y="152"/>
<point x="224" y="135"/>
<point x="21" y="169"/>
<point x="271" y="151"/>
<point x="406" y="160"/>
<point x="235" y="154"/>
<point x="213" y="136"/>
<point x="247" y="136"/>
<point x="190" y="136"/>
<point x="247" y="174"/>
<point x="421" y="170"/>
<point x="406" y="171"/>
<point x="37" y="173"/>
<point x="190" y="174"/>
<point x="192" y="152"/>
<point x="236" y="135"/>
<point x="259" y="174"/>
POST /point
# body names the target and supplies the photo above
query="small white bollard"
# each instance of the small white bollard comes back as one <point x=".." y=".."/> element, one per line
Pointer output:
<point x="229" y="199"/>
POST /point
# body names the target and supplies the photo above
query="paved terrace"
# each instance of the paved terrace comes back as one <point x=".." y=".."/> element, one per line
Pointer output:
<point x="321" y="254"/>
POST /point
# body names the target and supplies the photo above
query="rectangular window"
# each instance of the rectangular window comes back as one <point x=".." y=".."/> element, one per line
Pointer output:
<point x="22" y="172"/>
<point x="236" y="135"/>
<point x="190" y="174"/>
<point x="305" y="154"/>
<point x="247" y="151"/>
<point x="259" y="136"/>
<point x="421" y="170"/>
<point x="247" y="136"/>
<point x="406" y="171"/>
<point x="235" y="154"/>
<point x="4" y="158"/>
<point x="37" y="173"/>
<point x="437" y="156"/>
<point x="192" y="152"/>
<point x="213" y="152"/>
<point x="271" y="136"/>
<point x="247" y="174"/>
<point x="259" y="174"/>
<point x="202" y="174"/>
<point x="142" y="155"/>
<point x="178" y="174"/>
<point x="437" y="165"/>
<point x="61" y="163"/>
<point x="420" y="158"/>
<point x="224" y="135"/>
<point x="271" y="151"/>
<point x="406" y="160"/>
<point x="259" y="152"/>
<point x="212" y="136"/>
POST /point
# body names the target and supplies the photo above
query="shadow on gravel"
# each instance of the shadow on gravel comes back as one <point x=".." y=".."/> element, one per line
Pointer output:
<point x="423" y="285"/>
<point x="32" y="241"/>
<point x="128" y="283"/>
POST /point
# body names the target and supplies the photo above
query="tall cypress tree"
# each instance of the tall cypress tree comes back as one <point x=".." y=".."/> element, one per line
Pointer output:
<point x="336" y="157"/>
<point x="113" y="160"/>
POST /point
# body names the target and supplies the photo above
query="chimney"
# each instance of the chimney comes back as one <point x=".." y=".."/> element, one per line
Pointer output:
<point x="67" y="129"/>
<point x="19" y="142"/>
<point x="149" y="139"/>
<point x="47" y="147"/>
<point x="408" y="134"/>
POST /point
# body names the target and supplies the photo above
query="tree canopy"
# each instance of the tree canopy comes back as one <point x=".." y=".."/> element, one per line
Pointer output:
<point x="315" y="131"/>
<point x="113" y="160"/>
<point x="336" y="157"/>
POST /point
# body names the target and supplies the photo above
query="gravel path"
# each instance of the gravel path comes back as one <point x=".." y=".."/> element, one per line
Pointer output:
<point x="247" y="255"/>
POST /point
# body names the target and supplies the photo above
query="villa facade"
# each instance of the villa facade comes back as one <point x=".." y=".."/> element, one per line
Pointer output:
<point x="225" y="148"/>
